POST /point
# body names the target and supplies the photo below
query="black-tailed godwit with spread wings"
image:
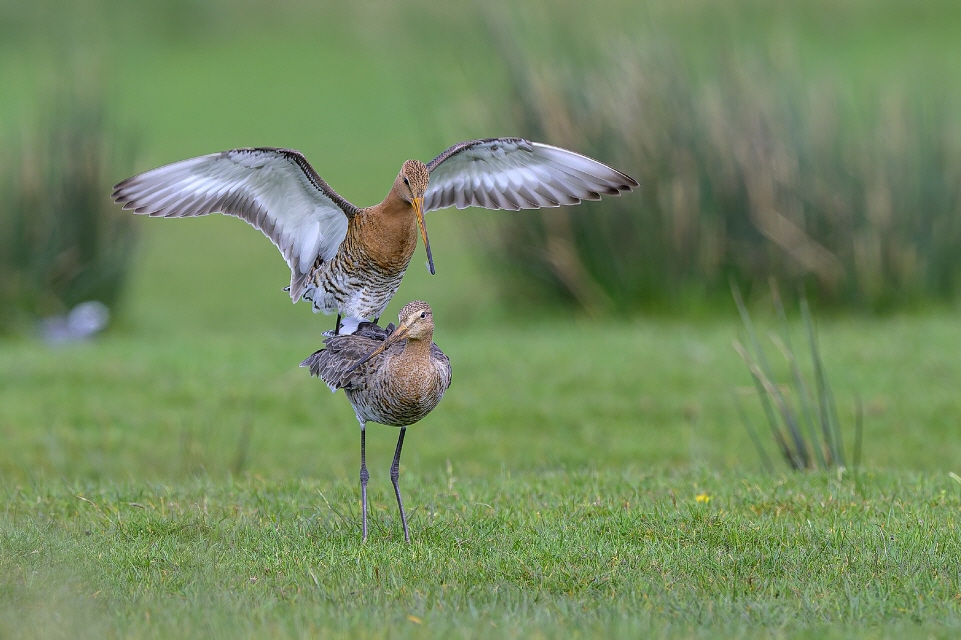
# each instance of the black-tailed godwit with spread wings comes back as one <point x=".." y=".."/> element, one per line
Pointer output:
<point x="350" y="260"/>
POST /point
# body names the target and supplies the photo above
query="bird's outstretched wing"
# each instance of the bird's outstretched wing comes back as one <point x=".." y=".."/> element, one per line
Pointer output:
<point x="512" y="173"/>
<point x="275" y="190"/>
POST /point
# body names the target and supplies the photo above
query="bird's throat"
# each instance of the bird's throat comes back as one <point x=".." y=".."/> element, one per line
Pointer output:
<point x="389" y="234"/>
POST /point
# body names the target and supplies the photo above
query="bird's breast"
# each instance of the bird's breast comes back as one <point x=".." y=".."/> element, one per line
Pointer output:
<point x="388" y="237"/>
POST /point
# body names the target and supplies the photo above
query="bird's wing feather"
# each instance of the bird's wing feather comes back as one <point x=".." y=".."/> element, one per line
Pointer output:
<point x="275" y="190"/>
<point x="443" y="364"/>
<point x="339" y="354"/>
<point x="512" y="173"/>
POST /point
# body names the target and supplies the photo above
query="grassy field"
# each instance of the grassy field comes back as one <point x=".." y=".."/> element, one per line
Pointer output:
<point x="560" y="553"/>
<point x="181" y="476"/>
<point x="172" y="484"/>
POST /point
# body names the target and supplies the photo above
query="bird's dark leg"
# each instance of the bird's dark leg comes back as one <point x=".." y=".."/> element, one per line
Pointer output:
<point x="376" y="320"/>
<point x="337" y="326"/>
<point x="395" y="476"/>
<point x="364" y="477"/>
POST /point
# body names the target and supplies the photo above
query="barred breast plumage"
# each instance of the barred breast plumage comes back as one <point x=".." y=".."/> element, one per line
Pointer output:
<point x="358" y="282"/>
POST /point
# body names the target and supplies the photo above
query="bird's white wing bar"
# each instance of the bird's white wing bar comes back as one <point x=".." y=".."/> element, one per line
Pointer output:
<point x="275" y="190"/>
<point x="512" y="173"/>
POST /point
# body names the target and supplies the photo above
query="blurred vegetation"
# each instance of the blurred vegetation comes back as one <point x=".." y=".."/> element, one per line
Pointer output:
<point x="62" y="242"/>
<point x="816" y="141"/>
<point x="750" y="168"/>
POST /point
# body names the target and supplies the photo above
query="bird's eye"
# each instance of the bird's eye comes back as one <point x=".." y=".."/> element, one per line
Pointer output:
<point x="423" y="314"/>
<point x="406" y="182"/>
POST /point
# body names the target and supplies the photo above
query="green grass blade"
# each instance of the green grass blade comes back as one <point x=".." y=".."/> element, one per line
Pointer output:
<point x="801" y="390"/>
<point x="858" y="432"/>
<point x="764" y="375"/>
<point x="826" y="407"/>
<point x="752" y="433"/>
<point x="769" y="396"/>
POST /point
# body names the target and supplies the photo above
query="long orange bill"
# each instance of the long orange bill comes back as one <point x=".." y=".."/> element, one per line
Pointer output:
<point x="397" y="335"/>
<point x="419" y="212"/>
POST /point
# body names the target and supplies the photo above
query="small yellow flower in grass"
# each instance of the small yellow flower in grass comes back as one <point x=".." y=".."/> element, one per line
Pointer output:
<point x="702" y="497"/>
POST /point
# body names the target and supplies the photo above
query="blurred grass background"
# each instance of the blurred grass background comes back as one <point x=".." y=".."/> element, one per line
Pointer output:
<point x="724" y="112"/>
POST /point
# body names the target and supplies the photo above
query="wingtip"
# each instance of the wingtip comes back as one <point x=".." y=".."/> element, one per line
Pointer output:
<point x="310" y="360"/>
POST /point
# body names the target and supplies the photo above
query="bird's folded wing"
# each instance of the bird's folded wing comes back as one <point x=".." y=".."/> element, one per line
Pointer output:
<point x="340" y="353"/>
<point x="443" y="364"/>
<point x="512" y="173"/>
<point x="275" y="190"/>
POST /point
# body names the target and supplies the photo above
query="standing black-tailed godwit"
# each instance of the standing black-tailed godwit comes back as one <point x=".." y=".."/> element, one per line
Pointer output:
<point x="391" y="377"/>
<point x="350" y="260"/>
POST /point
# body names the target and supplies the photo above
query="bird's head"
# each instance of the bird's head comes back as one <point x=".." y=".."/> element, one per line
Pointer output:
<point x="411" y="184"/>
<point x="414" y="322"/>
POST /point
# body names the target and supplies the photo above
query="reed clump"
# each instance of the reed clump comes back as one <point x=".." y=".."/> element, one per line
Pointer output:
<point x="62" y="241"/>
<point x="749" y="172"/>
